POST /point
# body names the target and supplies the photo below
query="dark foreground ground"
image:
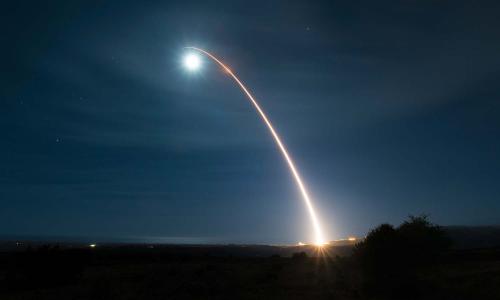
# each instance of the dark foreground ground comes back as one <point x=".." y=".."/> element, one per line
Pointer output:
<point x="229" y="272"/>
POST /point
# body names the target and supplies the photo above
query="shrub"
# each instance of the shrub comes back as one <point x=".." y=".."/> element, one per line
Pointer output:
<point x="390" y="258"/>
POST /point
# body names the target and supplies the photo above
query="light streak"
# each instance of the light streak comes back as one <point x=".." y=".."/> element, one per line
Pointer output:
<point x="319" y="240"/>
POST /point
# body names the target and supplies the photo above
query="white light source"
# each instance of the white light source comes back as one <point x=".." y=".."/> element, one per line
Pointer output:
<point x="192" y="62"/>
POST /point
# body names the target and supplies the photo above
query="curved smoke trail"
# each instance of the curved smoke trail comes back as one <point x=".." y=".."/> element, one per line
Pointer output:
<point x="314" y="219"/>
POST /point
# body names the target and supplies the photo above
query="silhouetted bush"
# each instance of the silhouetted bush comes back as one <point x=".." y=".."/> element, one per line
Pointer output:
<point x="421" y="241"/>
<point x="390" y="258"/>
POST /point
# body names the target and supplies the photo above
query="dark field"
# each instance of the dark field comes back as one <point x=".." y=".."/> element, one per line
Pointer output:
<point x="233" y="272"/>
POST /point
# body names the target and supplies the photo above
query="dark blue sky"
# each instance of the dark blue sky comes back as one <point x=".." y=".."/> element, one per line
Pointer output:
<point x="388" y="109"/>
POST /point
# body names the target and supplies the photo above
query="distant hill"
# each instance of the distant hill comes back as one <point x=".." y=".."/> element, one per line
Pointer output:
<point x="470" y="237"/>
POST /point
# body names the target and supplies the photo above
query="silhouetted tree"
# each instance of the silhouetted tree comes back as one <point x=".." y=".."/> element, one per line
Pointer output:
<point x="421" y="241"/>
<point x="389" y="258"/>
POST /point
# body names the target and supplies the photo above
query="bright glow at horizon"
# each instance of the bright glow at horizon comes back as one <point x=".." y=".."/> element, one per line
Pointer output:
<point x="192" y="61"/>
<point x="318" y="234"/>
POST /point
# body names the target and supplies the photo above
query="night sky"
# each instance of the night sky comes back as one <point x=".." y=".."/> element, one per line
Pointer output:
<point x="388" y="110"/>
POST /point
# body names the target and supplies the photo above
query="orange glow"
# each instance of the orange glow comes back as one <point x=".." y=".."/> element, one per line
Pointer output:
<point x="352" y="239"/>
<point x="320" y="245"/>
<point x="319" y="240"/>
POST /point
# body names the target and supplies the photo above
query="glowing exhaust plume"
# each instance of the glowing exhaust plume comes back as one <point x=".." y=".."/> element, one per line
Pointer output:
<point x="319" y="240"/>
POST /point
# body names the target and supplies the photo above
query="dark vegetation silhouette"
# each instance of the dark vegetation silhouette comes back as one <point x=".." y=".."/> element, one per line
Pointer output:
<point x="390" y="259"/>
<point x="410" y="261"/>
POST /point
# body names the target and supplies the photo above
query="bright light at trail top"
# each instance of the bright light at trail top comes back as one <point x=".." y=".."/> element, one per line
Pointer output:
<point x="192" y="62"/>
